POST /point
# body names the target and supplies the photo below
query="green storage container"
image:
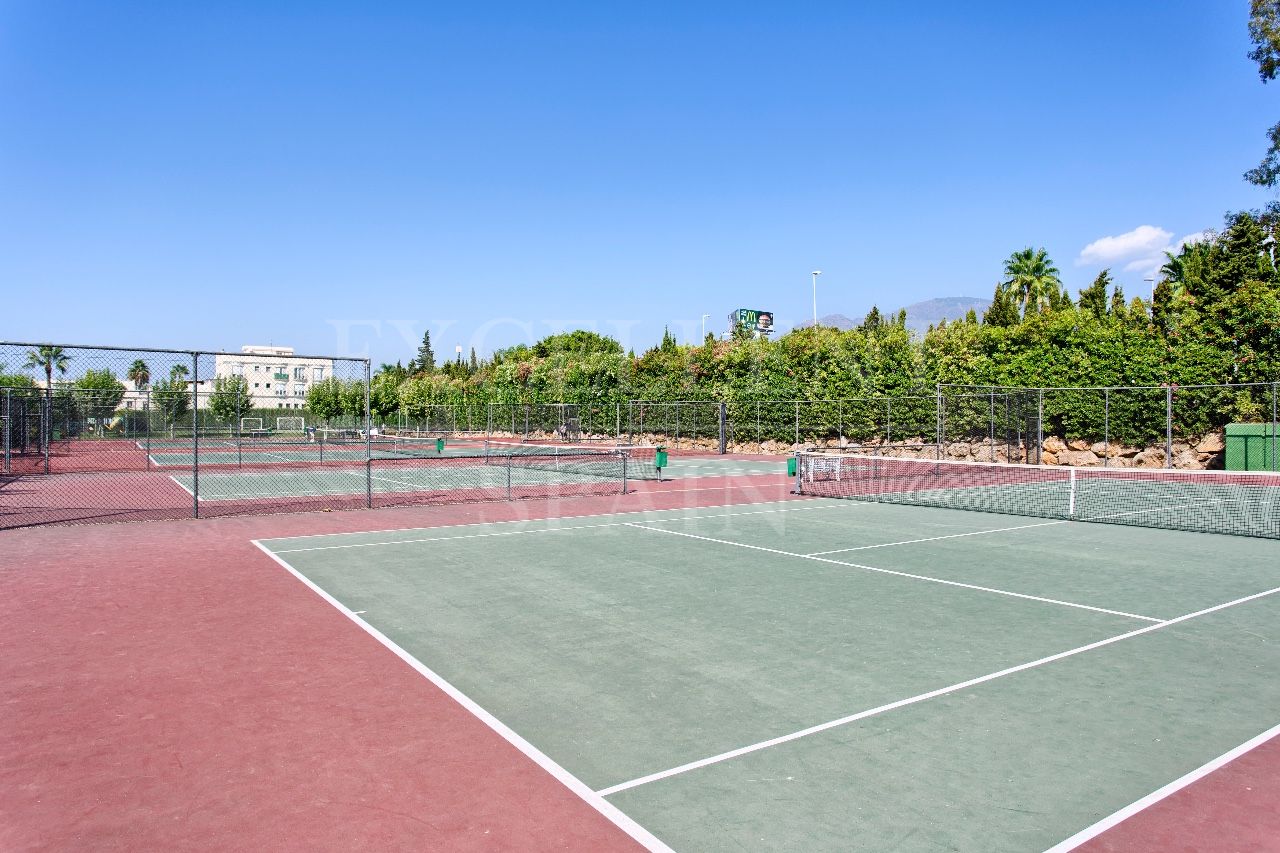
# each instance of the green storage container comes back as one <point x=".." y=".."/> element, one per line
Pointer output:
<point x="1252" y="447"/>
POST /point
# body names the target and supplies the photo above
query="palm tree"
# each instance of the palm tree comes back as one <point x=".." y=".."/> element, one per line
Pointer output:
<point x="139" y="374"/>
<point x="1031" y="279"/>
<point x="48" y="359"/>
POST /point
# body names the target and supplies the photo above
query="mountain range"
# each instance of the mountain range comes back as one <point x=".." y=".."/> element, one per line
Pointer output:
<point x="920" y="315"/>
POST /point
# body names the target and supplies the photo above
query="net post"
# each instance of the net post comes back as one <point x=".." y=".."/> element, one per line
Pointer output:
<point x="368" y="441"/>
<point x="799" y="482"/>
<point x="1168" y="426"/>
<point x="724" y="428"/>
<point x="195" y="435"/>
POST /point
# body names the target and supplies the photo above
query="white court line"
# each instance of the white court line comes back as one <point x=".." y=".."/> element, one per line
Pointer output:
<point x="1156" y="796"/>
<point x="180" y="486"/>
<point x="926" y="578"/>
<point x="932" y="694"/>
<point x="417" y="487"/>
<point x="534" y="530"/>
<point x="573" y="783"/>
<point x="935" y="538"/>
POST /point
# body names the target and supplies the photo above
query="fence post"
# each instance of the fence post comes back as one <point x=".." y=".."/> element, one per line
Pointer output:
<point x="759" y="440"/>
<point x="195" y="435"/>
<point x="146" y="419"/>
<point x="991" y="427"/>
<point x="8" y="420"/>
<point x="1040" y="427"/>
<point x="677" y="405"/>
<point x="1106" y="427"/>
<point x="888" y="420"/>
<point x="46" y="424"/>
<point x="1275" y="391"/>
<point x="724" y="428"/>
<point x="239" y="431"/>
<point x="368" y="442"/>
<point x="797" y="421"/>
<point x="940" y="425"/>
<point x="617" y="421"/>
<point x="1168" y="426"/>
<point x="509" y="476"/>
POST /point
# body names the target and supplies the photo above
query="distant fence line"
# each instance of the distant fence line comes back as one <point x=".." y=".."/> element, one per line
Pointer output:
<point x="168" y="413"/>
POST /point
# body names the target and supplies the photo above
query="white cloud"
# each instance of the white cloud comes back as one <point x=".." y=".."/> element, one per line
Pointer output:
<point x="1141" y="244"/>
<point x="1141" y="250"/>
<point x="1197" y="237"/>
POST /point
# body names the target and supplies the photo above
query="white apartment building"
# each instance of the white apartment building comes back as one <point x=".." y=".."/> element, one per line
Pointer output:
<point x="276" y="378"/>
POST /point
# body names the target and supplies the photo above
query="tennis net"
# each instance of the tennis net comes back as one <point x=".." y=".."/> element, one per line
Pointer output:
<point x="1236" y="503"/>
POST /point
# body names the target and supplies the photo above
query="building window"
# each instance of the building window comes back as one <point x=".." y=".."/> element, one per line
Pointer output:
<point x="257" y="368"/>
<point x="317" y="374"/>
<point x="300" y="374"/>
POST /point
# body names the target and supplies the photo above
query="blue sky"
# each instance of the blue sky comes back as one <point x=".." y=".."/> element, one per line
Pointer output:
<point x="338" y="177"/>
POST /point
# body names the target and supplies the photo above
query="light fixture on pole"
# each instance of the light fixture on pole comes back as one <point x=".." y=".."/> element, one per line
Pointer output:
<point x="815" y="275"/>
<point x="1152" y="282"/>
<point x="704" y="326"/>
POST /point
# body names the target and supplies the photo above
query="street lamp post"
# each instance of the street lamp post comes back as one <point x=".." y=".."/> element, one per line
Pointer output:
<point x="815" y="275"/>
<point x="704" y="326"/>
<point x="1152" y="282"/>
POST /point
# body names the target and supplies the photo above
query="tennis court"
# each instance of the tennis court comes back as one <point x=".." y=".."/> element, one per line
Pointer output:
<point x="825" y="674"/>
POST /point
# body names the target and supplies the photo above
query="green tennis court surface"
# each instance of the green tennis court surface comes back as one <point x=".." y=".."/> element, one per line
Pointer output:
<point x="829" y="675"/>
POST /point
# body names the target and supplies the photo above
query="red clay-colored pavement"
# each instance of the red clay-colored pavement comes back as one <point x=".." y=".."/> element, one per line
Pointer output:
<point x="1236" y="808"/>
<point x="168" y="686"/>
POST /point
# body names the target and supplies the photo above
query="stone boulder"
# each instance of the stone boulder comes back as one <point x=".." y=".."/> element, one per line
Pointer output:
<point x="1152" y="457"/>
<point x="1048" y="458"/>
<point x="1055" y="445"/>
<point x="1211" y="443"/>
<point x="1078" y="444"/>
<point x="1078" y="458"/>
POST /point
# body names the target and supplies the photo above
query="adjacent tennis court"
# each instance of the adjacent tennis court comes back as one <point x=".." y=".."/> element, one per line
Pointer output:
<point x="826" y="674"/>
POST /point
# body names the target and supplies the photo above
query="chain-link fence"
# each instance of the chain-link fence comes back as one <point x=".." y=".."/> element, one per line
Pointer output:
<point x="95" y="434"/>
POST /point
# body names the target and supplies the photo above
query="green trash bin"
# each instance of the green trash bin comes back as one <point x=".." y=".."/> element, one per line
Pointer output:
<point x="1251" y="447"/>
<point x="440" y="446"/>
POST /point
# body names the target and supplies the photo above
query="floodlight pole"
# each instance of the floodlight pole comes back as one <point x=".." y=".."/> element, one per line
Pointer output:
<point x="815" y="275"/>
<point x="704" y="326"/>
<point x="1152" y="282"/>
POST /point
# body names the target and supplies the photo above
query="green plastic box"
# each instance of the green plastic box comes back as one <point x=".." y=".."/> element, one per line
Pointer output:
<point x="1249" y="447"/>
